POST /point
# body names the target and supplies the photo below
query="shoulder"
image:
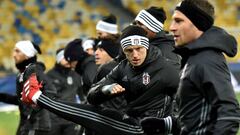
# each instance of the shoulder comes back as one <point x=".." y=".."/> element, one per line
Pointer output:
<point x="30" y="68"/>
<point x="108" y="66"/>
<point x="75" y="74"/>
<point x="207" y="58"/>
<point x="169" y="69"/>
<point x="52" y="73"/>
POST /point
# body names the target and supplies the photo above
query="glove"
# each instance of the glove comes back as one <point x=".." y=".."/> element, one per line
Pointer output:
<point x="31" y="90"/>
<point x="107" y="89"/>
<point x="156" y="126"/>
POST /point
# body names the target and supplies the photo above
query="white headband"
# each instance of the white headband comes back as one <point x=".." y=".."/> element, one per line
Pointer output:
<point x="60" y="56"/>
<point x="135" y="40"/>
<point x="88" y="44"/>
<point x="149" y="21"/>
<point x="26" y="47"/>
<point x="107" y="27"/>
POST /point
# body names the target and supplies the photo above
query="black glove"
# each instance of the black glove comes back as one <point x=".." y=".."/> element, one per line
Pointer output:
<point x="160" y="126"/>
<point x="157" y="126"/>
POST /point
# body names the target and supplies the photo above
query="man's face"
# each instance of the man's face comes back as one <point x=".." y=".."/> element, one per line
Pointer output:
<point x="65" y="63"/>
<point x="102" y="34"/>
<point x="101" y="56"/>
<point x="73" y="64"/>
<point x="90" y="51"/>
<point x="150" y="34"/>
<point x="135" y="54"/>
<point x="68" y="64"/>
<point x="183" y="29"/>
<point x="18" y="56"/>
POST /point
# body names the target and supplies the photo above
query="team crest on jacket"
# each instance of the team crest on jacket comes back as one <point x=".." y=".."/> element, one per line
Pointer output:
<point x="69" y="80"/>
<point x="146" y="78"/>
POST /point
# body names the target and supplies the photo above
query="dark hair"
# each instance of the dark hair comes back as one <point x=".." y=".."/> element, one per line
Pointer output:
<point x="133" y="30"/>
<point x="204" y="5"/>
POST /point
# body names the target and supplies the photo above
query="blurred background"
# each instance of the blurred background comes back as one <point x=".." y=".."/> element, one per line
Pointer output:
<point x="53" y="23"/>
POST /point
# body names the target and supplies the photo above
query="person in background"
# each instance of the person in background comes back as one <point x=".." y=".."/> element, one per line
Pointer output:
<point x="206" y="100"/>
<point x="67" y="83"/>
<point x="107" y="28"/>
<point x="152" y="21"/>
<point x="84" y="63"/>
<point x="105" y="51"/>
<point x="89" y="45"/>
<point x="105" y="55"/>
<point x="145" y="78"/>
<point x="33" y="121"/>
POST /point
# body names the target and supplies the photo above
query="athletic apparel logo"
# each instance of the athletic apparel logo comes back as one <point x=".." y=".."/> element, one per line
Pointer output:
<point x="69" y="80"/>
<point x="21" y="77"/>
<point x="183" y="72"/>
<point x="146" y="78"/>
<point x="56" y="81"/>
<point x="136" y="41"/>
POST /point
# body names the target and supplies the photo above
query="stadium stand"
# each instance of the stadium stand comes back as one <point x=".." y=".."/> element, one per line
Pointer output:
<point x="49" y="21"/>
<point x="45" y="22"/>
<point x="53" y="23"/>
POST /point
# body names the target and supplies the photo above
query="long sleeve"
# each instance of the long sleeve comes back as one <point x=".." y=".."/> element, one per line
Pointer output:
<point x="219" y="93"/>
<point x="95" y="95"/>
<point x="10" y="99"/>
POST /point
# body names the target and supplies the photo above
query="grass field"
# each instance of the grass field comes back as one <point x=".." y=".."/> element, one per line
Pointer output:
<point x="9" y="122"/>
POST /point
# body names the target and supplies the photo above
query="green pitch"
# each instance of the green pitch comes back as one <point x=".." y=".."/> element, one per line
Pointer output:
<point x="9" y="122"/>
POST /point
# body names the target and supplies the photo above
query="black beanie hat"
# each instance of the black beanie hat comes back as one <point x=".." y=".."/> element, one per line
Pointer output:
<point x="202" y="20"/>
<point x="110" y="19"/>
<point x="134" y="35"/>
<point x="108" y="24"/>
<point x="74" y="51"/>
<point x="37" y="48"/>
<point x="153" y="18"/>
<point x="158" y="13"/>
<point x="111" y="47"/>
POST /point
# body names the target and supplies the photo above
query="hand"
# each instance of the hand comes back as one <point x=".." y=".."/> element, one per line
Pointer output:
<point x="31" y="88"/>
<point x="117" y="89"/>
<point x="154" y="125"/>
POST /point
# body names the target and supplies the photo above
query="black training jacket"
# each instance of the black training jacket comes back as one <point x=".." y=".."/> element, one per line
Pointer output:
<point x="66" y="81"/>
<point x="87" y="69"/>
<point x="149" y="88"/>
<point x="35" y="117"/>
<point x="165" y="42"/>
<point x="207" y="102"/>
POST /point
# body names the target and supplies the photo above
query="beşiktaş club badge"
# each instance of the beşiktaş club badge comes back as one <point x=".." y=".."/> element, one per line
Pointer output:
<point x="146" y="78"/>
<point x="69" y="80"/>
<point x="136" y="41"/>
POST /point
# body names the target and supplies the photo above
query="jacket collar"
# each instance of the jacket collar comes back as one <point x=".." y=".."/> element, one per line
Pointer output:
<point x="215" y="38"/>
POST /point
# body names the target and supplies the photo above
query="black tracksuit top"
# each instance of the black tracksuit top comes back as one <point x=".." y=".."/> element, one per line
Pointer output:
<point x="205" y="95"/>
<point x="146" y="86"/>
